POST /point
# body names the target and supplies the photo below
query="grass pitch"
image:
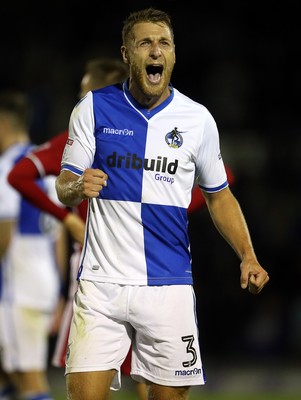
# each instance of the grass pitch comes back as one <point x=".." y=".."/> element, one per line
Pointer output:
<point x="272" y="382"/>
<point x="127" y="395"/>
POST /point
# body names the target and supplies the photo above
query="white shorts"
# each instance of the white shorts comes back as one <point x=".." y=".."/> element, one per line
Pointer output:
<point x="160" y="321"/>
<point x="24" y="338"/>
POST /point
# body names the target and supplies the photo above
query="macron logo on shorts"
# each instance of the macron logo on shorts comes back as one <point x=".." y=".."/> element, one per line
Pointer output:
<point x="184" y="372"/>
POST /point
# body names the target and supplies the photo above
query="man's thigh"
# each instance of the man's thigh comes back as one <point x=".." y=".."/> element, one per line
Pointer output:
<point x="89" y="385"/>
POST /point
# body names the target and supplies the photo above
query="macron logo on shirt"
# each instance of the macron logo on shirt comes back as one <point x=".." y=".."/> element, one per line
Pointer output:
<point x="123" y="132"/>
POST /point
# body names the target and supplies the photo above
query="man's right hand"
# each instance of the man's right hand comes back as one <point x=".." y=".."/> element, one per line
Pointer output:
<point x="92" y="181"/>
<point x="72" y="189"/>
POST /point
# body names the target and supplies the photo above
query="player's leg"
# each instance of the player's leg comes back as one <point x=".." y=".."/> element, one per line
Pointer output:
<point x="160" y="392"/>
<point x="89" y="385"/>
<point x="33" y="382"/>
<point x="26" y="351"/>
<point x="7" y="388"/>
<point x="141" y="388"/>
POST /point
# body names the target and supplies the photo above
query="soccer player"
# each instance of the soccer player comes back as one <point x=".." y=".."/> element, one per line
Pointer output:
<point x="31" y="278"/>
<point x="134" y="150"/>
<point x="45" y="160"/>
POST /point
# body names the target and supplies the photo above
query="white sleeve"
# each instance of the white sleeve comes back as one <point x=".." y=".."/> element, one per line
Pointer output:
<point x="9" y="202"/>
<point x="80" y="147"/>
<point x="9" y="197"/>
<point x="211" y="173"/>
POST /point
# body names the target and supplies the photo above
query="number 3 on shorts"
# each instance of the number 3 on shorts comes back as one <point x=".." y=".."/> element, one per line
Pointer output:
<point x="189" y="349"/>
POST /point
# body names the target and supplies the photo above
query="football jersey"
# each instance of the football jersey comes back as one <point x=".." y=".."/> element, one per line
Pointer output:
<point x="29" y="270"/>
<point x="137" y="227"/>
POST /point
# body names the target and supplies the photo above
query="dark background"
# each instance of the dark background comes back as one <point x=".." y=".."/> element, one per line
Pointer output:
<point x="241" y="59"/>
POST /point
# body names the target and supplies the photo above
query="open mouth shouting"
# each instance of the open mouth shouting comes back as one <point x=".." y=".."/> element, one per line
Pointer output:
<point x="154" y="73"/>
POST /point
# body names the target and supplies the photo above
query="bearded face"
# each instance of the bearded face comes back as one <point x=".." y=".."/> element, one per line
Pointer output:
<point x="151" y="56"/>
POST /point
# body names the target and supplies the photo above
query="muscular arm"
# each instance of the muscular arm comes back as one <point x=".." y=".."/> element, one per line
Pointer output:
<point x="229" y="220"/>
<point x="72" y="189"/>
<point x="198" y="201"/>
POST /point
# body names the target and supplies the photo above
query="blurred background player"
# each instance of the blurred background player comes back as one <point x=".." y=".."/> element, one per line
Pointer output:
<point x="30" y="255"/>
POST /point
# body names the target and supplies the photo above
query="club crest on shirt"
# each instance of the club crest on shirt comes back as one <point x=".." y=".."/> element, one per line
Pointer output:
<point x="174" y="138"/>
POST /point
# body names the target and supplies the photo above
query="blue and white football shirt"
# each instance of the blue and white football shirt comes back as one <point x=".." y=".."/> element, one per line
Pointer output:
<point x="137" y="227"/>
